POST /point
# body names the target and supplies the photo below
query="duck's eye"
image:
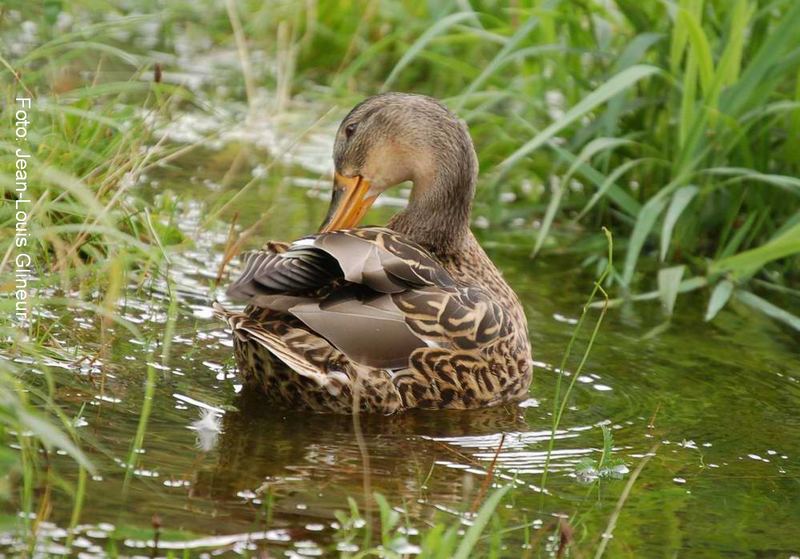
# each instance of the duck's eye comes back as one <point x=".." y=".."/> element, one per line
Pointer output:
<point x="350" y="129"/>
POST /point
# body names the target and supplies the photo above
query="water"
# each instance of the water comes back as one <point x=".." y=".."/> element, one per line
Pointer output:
<point x="716" y="404"/>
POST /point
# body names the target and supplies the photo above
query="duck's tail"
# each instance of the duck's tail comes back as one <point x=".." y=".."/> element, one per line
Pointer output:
<point x="245" y="330"/>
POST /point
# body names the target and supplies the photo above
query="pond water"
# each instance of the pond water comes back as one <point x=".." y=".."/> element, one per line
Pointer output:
<point x="706" y="415"/>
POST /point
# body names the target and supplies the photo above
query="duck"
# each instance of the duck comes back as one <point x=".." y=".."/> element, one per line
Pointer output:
<point x="369" y="319"/>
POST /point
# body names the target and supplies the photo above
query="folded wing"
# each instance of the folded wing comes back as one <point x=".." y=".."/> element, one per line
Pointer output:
<point x="370" y="292"/>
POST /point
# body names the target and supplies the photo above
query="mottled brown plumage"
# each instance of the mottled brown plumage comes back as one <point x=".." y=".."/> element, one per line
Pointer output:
<point x="413" y="315"/>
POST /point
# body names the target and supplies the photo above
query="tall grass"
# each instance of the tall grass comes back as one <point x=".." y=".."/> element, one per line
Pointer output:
<point x="674" y="123"/>
<point x="89" y="140"/>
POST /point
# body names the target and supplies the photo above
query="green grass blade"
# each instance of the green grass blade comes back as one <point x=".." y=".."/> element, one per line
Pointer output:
<point x="51" y="436"/>
<point x="730" y="62"/>
<point x="549" y="215"/>
<point x="616" y="194"/>
<point x="750" y="261"/>
<point x="680" y="37"/>
<point x="680" y="199"/>
<point x="764" y="306"/>
<point x="598" y="145"/>
<point x="780" y="39"/>
<point x="688" y="94"/>
<point x="644" y="225"/>
<point x="741" y="233"/>
<point x="719" y="298"/>
<point x="793" y="144"/>
<point x="438" y="28"/>
<point x="669" y="281"/>
<point x="464" y="550"/>
<point x="559" y="403"/>
<point x="102" y="29"/>
<point x="686" y="286"/>
<point x="59" y="49"/>
<point x="788" y="183"/>
<point x="699" y="48"/>
<point x="620" y="82"/>
<point x="505" y="52"/>
<point x="636" y="50"/>
<point x="609" y="181"/>
<point x="594" y="147"/>
<point x="632" y="54"/>
<point x="141" y="430"/>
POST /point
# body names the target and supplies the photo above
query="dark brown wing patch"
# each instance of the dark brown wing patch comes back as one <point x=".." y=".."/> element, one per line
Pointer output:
<point x="292" y="271"/>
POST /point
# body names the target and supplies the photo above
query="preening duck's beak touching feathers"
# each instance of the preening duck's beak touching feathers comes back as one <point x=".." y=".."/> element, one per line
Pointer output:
<point x="393" y="138"/>
<point x="350" y="200"/>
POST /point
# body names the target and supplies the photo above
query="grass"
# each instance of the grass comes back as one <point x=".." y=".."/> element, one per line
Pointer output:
<point x="85" y="231"/>
<point x="560" y="402"/>
<point x="675" y="124"/>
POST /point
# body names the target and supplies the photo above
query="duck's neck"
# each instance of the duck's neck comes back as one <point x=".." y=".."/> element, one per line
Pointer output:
<point x="438" y="212"/>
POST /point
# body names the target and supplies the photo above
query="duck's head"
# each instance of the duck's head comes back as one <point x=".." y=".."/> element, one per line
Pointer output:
<point x="396" y="137"/>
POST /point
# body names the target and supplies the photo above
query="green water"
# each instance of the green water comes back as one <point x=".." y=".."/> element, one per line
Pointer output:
<point x="717" y="405"/>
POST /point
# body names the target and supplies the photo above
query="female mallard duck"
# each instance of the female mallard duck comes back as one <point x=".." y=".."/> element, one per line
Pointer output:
<point x="383" y="319"/>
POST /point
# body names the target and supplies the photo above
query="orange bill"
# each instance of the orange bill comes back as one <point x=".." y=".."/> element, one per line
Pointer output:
<point x="349" y="203"/>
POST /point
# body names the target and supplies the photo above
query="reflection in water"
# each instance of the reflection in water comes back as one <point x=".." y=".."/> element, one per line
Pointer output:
<point x="293" y="451"/>
<point x="427" y="461"/>
<point x="208" y="430"/>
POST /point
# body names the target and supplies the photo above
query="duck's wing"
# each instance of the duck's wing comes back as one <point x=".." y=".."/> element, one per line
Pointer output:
<point x="376" y="258"/>
<point x="373" y="294"/>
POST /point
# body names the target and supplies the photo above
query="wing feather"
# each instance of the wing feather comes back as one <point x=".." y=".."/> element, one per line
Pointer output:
<point x="375" y="257"/>
<point x="373" y="294"/>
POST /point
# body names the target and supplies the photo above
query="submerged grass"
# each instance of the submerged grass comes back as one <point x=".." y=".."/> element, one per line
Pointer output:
<point x="560" y="402"/>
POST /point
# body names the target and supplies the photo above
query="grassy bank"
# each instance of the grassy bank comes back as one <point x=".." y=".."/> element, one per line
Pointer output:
<point x="674" y="124"/>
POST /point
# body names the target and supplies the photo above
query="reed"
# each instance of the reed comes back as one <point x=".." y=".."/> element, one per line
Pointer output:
<point x="675" y="123"/>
